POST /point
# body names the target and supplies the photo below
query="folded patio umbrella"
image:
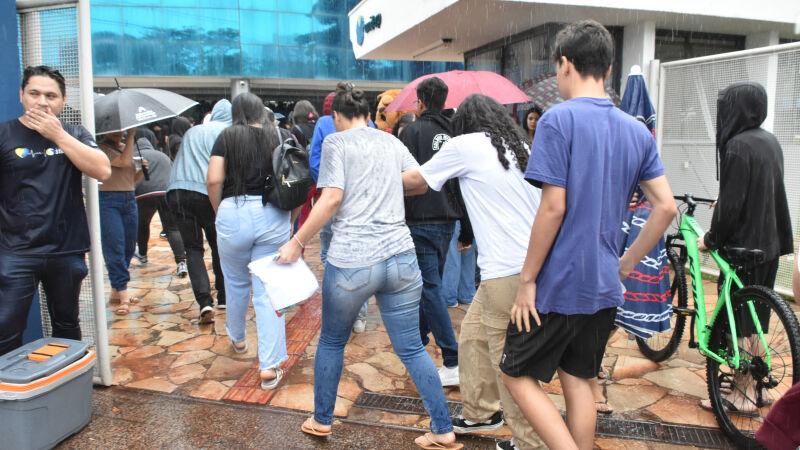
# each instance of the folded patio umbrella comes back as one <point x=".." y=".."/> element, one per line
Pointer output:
<point x="129" y="108"/>
<point x="460" y="84"/>
<point x="647" y="308"/>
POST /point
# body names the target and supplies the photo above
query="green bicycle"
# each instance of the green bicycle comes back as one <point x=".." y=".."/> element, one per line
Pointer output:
<point x="751" y="338"/>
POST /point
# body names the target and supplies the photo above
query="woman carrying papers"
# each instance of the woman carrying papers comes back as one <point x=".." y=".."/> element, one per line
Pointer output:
<point x="371" y="253"/>
<point x="248" y="229"/>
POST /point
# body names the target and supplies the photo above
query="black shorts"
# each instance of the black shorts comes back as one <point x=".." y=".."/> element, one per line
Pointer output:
<point x="575" y="343"/>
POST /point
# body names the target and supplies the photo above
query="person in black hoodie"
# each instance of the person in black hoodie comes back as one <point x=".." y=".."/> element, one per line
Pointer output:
<point x="431" y="218"/>
<point x="752" y="211"/>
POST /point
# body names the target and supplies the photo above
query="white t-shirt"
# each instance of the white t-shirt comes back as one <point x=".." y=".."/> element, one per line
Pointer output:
<point x="500" y="203"/>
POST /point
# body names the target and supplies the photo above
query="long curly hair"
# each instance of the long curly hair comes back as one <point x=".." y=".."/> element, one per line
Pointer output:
<point x="479" y="113"/>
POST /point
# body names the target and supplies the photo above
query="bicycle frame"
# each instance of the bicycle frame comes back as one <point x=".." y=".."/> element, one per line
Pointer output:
<point x="691" y="230"/>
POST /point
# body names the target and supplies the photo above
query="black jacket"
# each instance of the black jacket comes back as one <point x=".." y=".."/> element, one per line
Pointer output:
<point x="424" y="138"/>
<point x="752" y="210"/>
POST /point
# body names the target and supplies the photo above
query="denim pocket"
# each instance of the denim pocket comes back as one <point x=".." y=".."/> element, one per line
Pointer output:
<point x="407" y="266"/>
<point x="227" y="223"/>
<point x="352" y="279"/>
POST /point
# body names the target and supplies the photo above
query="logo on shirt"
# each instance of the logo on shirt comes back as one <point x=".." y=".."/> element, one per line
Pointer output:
<point x="144" y="114"/>
<point x="24" y="152"/>
<point x="439" y="140"/>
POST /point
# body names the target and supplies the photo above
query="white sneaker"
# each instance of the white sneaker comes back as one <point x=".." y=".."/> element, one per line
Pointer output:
<point x="449" y="376"/>
<point x="181" y="271"/>
<point x="206" y="314"/>
<point x="359" y="326"/>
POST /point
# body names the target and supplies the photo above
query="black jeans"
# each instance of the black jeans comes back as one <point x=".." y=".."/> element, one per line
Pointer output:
<point x="61" y="277"/>
<point x="147" y="208"/>
<point x="194" y="215"/>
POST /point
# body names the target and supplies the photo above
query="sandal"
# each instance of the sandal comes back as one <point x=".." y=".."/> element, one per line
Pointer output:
<point x="123" y="309"/>
<point x="730" y="407"/>
<point x="239" y="349"/>
<point x="272" y="383"/>
<point x="308" y="428"/>
<point x="603" y="407"/>
<point x="426" y="441"/>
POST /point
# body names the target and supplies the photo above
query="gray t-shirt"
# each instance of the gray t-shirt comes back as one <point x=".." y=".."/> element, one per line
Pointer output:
<point x="369" y="226"/>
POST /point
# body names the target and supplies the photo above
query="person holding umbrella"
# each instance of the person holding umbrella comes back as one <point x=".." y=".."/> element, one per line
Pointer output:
<point x="118" y="215"/>
<point x="45" y="234"/>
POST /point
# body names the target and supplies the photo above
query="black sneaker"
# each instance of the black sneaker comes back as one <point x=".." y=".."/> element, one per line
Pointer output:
<point x="506" y="445"/>
<point x="141" y="258"/>
<point x="461" y="426"/>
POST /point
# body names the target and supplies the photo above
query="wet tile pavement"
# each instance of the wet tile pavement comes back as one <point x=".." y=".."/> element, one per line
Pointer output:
<point x="161" y="347"/>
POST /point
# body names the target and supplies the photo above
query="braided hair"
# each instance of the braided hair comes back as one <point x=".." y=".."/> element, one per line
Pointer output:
<point x="479" y="113"/>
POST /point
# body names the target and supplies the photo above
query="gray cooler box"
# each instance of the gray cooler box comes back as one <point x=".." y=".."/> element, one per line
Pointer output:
<point x="45" y="393"/>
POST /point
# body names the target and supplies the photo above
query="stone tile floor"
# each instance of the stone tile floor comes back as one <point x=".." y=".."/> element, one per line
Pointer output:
<point x="160" y="347"/>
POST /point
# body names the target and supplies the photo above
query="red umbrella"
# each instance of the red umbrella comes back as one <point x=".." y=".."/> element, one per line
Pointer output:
<point x="462" y="83"/>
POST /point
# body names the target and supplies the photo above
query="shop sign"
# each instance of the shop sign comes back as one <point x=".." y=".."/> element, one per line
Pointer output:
<point x="362" y="28"/>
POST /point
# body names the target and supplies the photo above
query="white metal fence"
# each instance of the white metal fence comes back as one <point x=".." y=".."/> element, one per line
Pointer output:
<point x="687" y="109"/>
<point x="57" y="34"/>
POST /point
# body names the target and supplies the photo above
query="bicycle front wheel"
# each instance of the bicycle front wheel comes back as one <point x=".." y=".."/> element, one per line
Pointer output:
<point x="661" y="346"/>
<point x="742" y="397"/>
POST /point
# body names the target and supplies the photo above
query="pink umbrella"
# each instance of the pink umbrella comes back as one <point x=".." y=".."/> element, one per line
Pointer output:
<point x="462" y="83"/>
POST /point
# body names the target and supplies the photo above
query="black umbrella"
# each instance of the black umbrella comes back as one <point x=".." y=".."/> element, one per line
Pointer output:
<point x="128" y="108"/>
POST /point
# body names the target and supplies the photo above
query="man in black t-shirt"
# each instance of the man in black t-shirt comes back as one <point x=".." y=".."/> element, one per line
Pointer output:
<point x="44" y="234"/>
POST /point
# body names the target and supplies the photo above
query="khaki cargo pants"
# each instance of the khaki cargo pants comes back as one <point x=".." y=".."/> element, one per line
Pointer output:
<point x="480" y="347"/>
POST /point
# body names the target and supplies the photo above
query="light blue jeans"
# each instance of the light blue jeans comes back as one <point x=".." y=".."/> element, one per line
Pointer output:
<point x="458" y="278"/>
<point x="397" y="285"/>
<point x="247" y="231"/>
<point x="325" y="235"/>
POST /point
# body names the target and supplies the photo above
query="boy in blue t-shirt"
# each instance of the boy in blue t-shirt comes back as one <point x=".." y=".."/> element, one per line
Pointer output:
<point x="588" y="157"/>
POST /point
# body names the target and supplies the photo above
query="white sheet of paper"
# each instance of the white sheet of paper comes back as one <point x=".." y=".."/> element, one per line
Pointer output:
<point x="286" y="284"/>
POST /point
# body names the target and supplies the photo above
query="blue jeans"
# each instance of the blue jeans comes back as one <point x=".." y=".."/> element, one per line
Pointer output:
<point x="431" y="243"/>
<point x="118" y="227"/>
<point x="325" y="235"/>
<point x="396" y="283"/>
<point x="458" y="278"/>
<point x="248" y="231"/>
<point x="61" y="277"/>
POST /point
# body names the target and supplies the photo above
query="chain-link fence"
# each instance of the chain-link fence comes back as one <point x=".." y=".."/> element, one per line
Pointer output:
<point x="49" y="35"/>
<point x="687" y="112"/>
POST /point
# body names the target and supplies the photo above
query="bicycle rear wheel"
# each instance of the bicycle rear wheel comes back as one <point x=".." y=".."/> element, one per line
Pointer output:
<point x="742" y="397"/>
<point x="661" y="346"/>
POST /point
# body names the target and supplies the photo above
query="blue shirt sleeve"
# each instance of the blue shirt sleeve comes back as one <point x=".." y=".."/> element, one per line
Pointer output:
<point x="315" y="152"/>
<point x="549" y="161"/>
<point x="651" y="165"/>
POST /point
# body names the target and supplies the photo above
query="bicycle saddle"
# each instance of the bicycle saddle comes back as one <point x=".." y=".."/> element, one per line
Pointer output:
<point x="740" y="256"/>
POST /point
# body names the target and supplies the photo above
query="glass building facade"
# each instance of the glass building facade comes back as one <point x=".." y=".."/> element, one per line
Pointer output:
<point x="236" y="38"/>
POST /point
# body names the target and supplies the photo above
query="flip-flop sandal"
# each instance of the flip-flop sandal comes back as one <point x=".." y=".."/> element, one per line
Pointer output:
<point x="599" y="405"/>
<point x="430" y="444"/>
<point x="732" y="409"/>
<point x="308" y="428"/>
<point x="239" y="349"/>
<point x="123" y="309"/>
<point x="272" y="383"/>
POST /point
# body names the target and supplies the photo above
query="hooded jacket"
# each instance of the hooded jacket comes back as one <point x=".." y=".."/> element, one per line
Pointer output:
<point x="158" y="166"/>
<point x="424" y="137"/>
<point x="191" y="163"/>
<point x="752" y="210"/>
<point x="178" y="128"/>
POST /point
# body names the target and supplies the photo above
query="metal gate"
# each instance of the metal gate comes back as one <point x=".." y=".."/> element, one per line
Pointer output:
<point x="57" y="34"/>
<point x="686" y="134"/>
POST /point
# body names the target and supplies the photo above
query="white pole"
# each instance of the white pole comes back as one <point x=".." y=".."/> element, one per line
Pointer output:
<point x="92" y="198"/>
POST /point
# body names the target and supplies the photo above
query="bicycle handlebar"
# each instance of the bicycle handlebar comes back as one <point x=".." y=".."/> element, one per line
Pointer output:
<point x="692" y="200"/>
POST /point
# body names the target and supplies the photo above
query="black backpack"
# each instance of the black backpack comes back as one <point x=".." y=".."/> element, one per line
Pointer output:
<point x="289" y="180"/>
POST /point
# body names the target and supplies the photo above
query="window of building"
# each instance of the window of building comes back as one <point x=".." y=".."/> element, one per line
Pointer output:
<point x="672" y="45"/>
